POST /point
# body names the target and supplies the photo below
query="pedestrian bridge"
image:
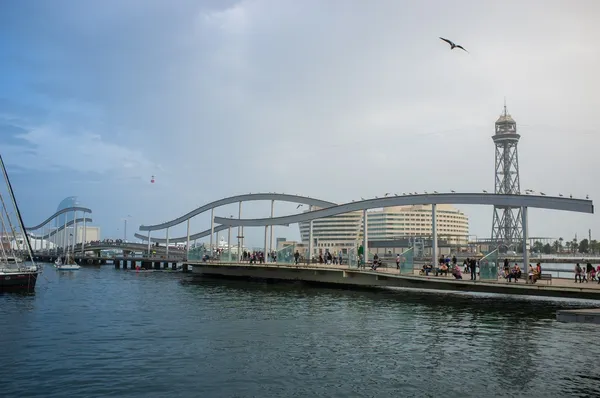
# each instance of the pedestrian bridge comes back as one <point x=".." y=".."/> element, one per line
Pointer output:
<point x="328" y="209"/>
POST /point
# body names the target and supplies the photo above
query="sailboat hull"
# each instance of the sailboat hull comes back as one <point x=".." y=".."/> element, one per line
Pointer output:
<point x="18" y="281"/>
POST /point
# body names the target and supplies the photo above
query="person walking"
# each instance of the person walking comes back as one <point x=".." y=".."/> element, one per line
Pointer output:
<point x="578" y="272"/>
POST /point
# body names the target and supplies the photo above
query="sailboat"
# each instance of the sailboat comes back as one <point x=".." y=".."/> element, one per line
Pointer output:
<point x="69" y="265"/>
<point x="14" y="273"/>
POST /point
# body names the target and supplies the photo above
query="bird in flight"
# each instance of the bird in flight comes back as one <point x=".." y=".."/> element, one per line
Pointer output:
<point x="299" y="206"/>
<point x="452" y="45"/>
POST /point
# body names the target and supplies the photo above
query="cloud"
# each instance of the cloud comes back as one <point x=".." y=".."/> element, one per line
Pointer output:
<point x="326" y="99"/>
<point x="46" y="148"/>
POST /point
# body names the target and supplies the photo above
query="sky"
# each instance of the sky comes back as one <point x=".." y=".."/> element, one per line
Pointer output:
<point x="332" y="99"/>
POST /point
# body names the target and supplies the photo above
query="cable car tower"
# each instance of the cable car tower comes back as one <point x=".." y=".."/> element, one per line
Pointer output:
<point x="507" y="226"/>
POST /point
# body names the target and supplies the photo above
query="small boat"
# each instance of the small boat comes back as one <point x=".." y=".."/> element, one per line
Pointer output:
<point x="69" y="265"/>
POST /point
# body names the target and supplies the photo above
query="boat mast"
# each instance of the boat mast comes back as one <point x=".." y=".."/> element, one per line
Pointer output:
<point x="4" y="232"/>
<point x="20" y="219"/>
<point x="12" y="229"/>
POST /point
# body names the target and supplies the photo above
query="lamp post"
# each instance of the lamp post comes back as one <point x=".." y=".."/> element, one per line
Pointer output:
<point x="125" y="228"/>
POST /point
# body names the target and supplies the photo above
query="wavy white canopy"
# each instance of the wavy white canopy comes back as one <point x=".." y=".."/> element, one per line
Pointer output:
<point x="542" y="202"/>
<point x="281" y="197"/>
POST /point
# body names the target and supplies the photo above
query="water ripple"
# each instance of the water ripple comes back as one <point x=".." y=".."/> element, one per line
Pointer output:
<point x="101" y="332"/>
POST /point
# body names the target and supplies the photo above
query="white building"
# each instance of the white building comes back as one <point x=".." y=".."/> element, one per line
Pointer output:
<point x="344" y="231"/>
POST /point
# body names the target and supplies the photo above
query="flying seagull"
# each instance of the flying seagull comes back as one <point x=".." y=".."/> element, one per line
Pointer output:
<point x="299" y="206"/>
<point x="452" y="45"/>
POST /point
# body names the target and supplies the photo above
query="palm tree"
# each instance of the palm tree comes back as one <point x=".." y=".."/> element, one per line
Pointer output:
<point x="556" y="246"/>
<point x="568" y="246"/>
<point x="560" y="240"/>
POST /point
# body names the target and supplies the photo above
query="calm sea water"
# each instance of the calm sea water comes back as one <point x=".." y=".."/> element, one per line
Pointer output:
<point x="101" y="332"/>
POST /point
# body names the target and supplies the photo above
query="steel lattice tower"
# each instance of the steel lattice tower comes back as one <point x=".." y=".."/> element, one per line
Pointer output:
<point x="507" y="226"/>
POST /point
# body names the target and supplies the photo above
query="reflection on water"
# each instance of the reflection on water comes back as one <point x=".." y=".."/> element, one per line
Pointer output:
<point x="101" y="332"/>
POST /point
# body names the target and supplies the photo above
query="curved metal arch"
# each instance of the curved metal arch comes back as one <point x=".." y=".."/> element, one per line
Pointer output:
<point x="48" y="235"/>
<point x="542" y="202"/>
<point x="198" y="235"/>
<point x="282" y="197"/>
<point x="58" y="213"/>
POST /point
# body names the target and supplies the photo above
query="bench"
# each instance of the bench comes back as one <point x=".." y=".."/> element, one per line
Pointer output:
<point x="546" y="277"/>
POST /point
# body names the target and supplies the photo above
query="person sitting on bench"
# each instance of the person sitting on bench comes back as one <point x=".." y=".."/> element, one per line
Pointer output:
<point x="456" y="272"/>
<point x="443" y="269"/>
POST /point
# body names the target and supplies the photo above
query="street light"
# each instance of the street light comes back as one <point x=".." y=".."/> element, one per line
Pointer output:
<point x="125" y="228"/>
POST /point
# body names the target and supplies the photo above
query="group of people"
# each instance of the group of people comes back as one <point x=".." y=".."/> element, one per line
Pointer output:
<point x="445" y="266"/>
<point x="533" y="274"/>
<point x="587" y="274"/>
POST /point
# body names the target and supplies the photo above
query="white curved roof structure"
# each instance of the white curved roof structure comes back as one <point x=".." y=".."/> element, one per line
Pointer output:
<point x="55" y="231"/>
<point x="58" y="213"/>
<point x="235" y="199"/>
<point x="542" y="202"/>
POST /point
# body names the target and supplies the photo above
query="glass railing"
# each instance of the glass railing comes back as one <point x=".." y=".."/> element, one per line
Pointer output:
<point x="488" y="266"/>
<point x="407" y="263"/>
<point x="286" y="255"/>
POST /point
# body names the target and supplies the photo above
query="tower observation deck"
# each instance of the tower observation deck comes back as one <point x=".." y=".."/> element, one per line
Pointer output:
<point x="507" y="226"/>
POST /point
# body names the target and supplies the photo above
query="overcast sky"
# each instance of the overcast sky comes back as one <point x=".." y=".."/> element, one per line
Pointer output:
<point x="332" y="99"/>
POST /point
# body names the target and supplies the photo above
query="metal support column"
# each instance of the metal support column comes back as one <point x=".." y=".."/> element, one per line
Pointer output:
<point x="310" y="238"/>
<point x="434" y="241"/>
<point x="167" y="248"/>
<point x="74" y="231"/>
<point x="148" y="244"/>
<point x="229" y="243"/>
<point x="187" y="244"/>
<point x="239" y="251"/>
<point x="525" y="270"/>
<point x="212" y="231"/>
<point x="271" y="229"/>
<point x="84" y="236"/>
<point x="64" y="242"/>
<point x="365" y="237"/>
<point x="266" y="252"/>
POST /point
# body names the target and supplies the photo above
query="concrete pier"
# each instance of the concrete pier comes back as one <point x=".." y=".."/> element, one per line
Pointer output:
<point x="340" y="275"/>
<point x="591" y="315"/>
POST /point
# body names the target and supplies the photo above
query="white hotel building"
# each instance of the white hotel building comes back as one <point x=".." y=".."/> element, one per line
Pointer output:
<point x="344" y="232"/>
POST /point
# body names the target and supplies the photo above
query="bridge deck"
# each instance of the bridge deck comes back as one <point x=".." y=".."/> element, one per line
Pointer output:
<point x="558" y="287"/>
